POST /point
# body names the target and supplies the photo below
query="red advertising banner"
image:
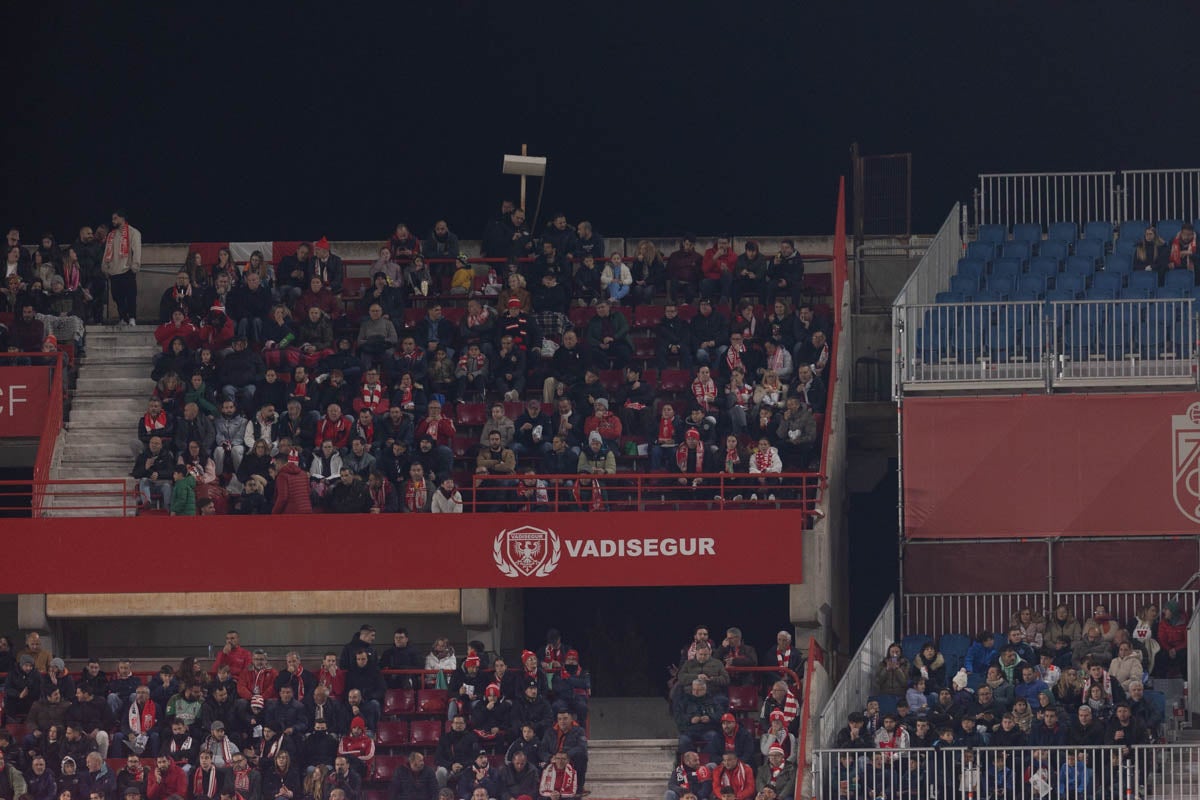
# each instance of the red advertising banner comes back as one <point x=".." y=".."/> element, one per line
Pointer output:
<point x="23" y="393"/>
<point x="1052" y="465"/>
<point x="425" y="551"/>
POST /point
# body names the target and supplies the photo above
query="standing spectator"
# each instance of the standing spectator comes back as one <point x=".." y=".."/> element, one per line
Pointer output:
<point x="891" y="676"/>
<point x="718" y="268"/>
<point x="122" y="261"/>
<point x="785" y="275"/>
<point x="587" y="242"/>
<point x="233" y="654"/>
<point x="327" y="266"/>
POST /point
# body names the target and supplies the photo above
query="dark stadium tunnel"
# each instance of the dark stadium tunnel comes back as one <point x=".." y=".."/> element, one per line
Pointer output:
<point x="627" y="637"/>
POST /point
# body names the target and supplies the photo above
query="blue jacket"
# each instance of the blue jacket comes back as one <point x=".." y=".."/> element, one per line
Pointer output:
<point x="1030" y="691"/>
<point x="979" y="657"/>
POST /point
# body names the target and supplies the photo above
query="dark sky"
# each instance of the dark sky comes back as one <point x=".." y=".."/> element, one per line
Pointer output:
<point x="245" y="121"/>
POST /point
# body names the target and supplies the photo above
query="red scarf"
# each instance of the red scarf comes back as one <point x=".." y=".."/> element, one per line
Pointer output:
<point x="666" y="428"/>
<point x="762" y="460"/>
<point x="224" y="748"/>
<point x="71" y="276"/>
<point x="416" y="495"/>
<point x="681" y="457"/>
<point x="300" y="388"/>
<point x="406" y="395"/>
<point x="379" y="498"/>
<point x="142" y="722"/>
<point x="124" y="248"/>
<point x="299" y="678"/>
<point x="733" y="357"/>
<point x="475" y="320"/>
<point x="741" y="395"/>
<point x="472" y="365"/>
<point x="732" y="459"/>
<point x="775" y="360"/>
<point x="705" y="392"/>
<point x="367" y="433"/>
<point x="372" y="395"/>
<point x="782" y="657"/>
<point x="241" y="780"/>
<point x="204" y="786"/>
<point x="154" y="423"/>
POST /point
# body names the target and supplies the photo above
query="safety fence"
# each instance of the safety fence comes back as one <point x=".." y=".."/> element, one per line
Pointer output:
<point x="932" y="274"/>
<point x="856" y="683"/>
<point x="935" y="615"/>
<point x="1035" y="344"/>
<point x="84" y="497"/>
<point x="1091" y="772"/>
<point x="627" y="491"/>
<point x="816" y="686"/>
<point x="1044" y="198"/>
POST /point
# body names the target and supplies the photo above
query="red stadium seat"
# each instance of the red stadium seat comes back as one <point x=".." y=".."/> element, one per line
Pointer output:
<point x="647" y="316"/>
<point x="399" y="701"/>
<point x="650" y="376"/>
<point x="743" y="698"/>
<point x="581" y="315"/>
<point x="513" y="408"/>
<point x="462" y="446"/>
<point x="644" y="349"/>
<point x="687" y="312"/>
<point x="432" y="701"/>
<point x="385" y="766"/>
<point x="454" y="313"/>
<point x="611" y="379"/>
<point x="353" y="288"/>
<point x="674" y="381"/>
<point x="392" y="733"/>
<point x="412" y="316"/>
<point x="374" y="794"/>
<point x="425" y="732"/>
<point x="115" y="765"/>
<point x="472" y="414"/>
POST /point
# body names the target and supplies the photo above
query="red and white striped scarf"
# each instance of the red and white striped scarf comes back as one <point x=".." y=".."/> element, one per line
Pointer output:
<point x="733" y="357"/>
<point x="762" y="460"/>
<point x="222" y="751"/>
<point x="666" y="429"/>
<point x="372" y="395"/>
<point x="416" y="495"/>
<point x="299" y="679"/>
<point x="142" y="721"/>
<point x="705" y="392"/>
<point x="741" y="394"/>
<point x="732" y="459"/>
<point x="775" y="360"/>
<point x="783" y="657"/>
<point x="204" y="786"/>
<point x="154" y="423"/>
<point x="472" y="364"/>
<point x="681" y="458"/>
<point x="475" y="320"/>
<point x="379" y="497"/>
<point x="124" y="247"/>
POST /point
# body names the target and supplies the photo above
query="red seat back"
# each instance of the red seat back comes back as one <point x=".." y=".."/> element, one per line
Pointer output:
<point x="472" y="414"/>
<point x="743" y="698"/>
<point x="581" y="315"/>
<point x="647" y="316"/>
<point x="432" y="701"/>
<point x="392" y="733"/>
<point x="674" y="380"/>
<point x="426" y="732"/>
<point x="399" y="701"/>
<point x="385" y="766"/>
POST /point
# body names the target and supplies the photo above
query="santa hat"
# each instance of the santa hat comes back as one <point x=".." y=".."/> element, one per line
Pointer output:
<point x="492" y="690"/>
<point x="774" y="750"/>
<point x="321" y="244"/>
<point x="471" y="661"/>
<point x="777" y="715"/>
<point x="728" y="718"/>
<point x="51" y="339"/>
<point x="358" y="722"/>
<point x="527" y="654"/>
<point x="256" y="703"/>
<point x="514" y="302"/>
<point x="294" y="458"/>
<point x="693" y="433"/>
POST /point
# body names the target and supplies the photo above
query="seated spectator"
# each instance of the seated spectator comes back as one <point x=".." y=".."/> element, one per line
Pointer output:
<point x="514" y="288"/>
<point x="930" y="665"/>
<point x="472" y="372"/>
<point x="1093" y="645"/>
<point x="560" y="460"/>
<point x="785" y="273"/>
<point x="586" y="289"/>
<point x="447" y="499"/>
<point x="153" y="470"/>
<point x="763" y="461"/>
<point x="684" y="270"/>
<point x="532" y="493"/>
<point x="1152" y="253"/>
<point x="750" y="273"/>
<point x="1183" y="249"/>
<point x="478" y="326"/>
<point x="376" y="337"/>
<point x="735" y="652"/>
<point x="573" y="687"/>
<point x="616" y="279"/>
<point x="532" y="431"/>
<point x="1032" y="625"/>
<point x="566" y="369"/>
<point x="709" y="334"/>
<point x="777" y="737"/>
<point x="649" y="274"/>
<point x="810" y="389"/>
<point x="734" y="738"/>
<point x="981" y="653"/>
<point x="733" y="779"/>
<point x="717" y="268"/>
<point x="349" y="494"/>
<point x="697" y="716"/>
<point x="609" y="346"/>
<point x="531" y="710"/>
<point x="508" y="370"/>
<point x="414" y="781"/>
<point x="496" y="460"/>
<point x="1127" y="666"/>
<point x="635" y="403"/>
<point x="559" y="780"/>
<point x="568" y="423"/>
<point x="239" y="372"/>
<point x="500" y="424"/>
<point x="816" y="354"/>
<point x="702" y="666"/>
<point x="606" y="424"/>
<point x="418" y="491"/>
<point x="1063" y="623"/>
<point x="673" y="339"/>
<point x="595" y="459"/>
<point x="689" y="778"/>
<point x="567" y="737"/>
<point x="770" y="394"/>
<point x="169" y="392"/>
<point x="854" y="736"/>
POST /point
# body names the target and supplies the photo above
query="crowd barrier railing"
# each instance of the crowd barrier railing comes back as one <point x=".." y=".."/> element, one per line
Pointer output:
<point x="1044" y="197"/>
<point x="629" y="491"/>
<point x="1091" y="772"/>
<point x="810" y="703"/>
<point x="857" y="682"/>
<point x="935" y="615"/>
<point x="96" y="497"/>
<point x="1157" y="194"/>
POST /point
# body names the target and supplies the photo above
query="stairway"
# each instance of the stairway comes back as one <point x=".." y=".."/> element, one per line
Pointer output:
<point x="637" y="769"/>
<point x="114" y="384"/>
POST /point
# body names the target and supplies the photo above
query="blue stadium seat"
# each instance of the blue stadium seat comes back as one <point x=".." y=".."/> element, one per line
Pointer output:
<point x="1046" y="266"/>
<point x="953" y="645"/>
<point x="993" y="233"/>
<point x="1077" y="339"/>
<point x="1173" y="292"/>
<point x="1059" y="294"/>
<point x="966" y="285"/>
<point x="989" y="295"/>
<point x="1096" y="293"/>
<point x="1152" y="340"/>
<point x="1143" y="280"/>
<point x="975" y="680"/>
<point x="1026" y="296"/>
<point x="984" y="251"/>
<point x="1019" y="250"/>
<point x="1092" y="248"/>
<point x="887" y="702"/>
<point x="1132" y="229"/>
<point x="1168" y="229"/>
<point x="948" y="297"/>
<point x="1180" y="279"/>
<point x="1119" y="263"/>
<point x="1107" y="281"/>
<point x="1098" y="230"/>
<point x="1121" y="330"/>
<point x="1031" y="283"/>
<point x="975" y="267"/>
<point x="1137" y="293"/>
<point x="934" y="336"/>
<point x="1125" y="247"/>
<point x="1006" y="267"/>
<point x="1027" y="232"/>
<point x="911" y="644"/>
<point x="1004" y="285"/>
<point x="1158" y="701"/>
<point x="1062" y="231"/>
<point x="1005" y="342"/>
<point x="1080" y="265"/>
<point x="1056" y="248"/>
<point x="1072" y="283"/>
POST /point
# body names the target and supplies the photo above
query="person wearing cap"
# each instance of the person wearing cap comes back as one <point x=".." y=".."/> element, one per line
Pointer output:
<point x="733" y="737"/>
<point x="326" y="266"/>
<point x="491" y="715"/>
<point x="609" y="346"/>
<point x="697" y="714"/>
<point x="57" y="675"/>
<point x="480" y="780"/>
<point x="518" y="324"/>
<point x="778" y="773"/>
<point x="466" y="685"/>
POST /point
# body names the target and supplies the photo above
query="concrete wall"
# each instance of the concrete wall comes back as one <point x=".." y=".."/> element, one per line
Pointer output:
<point x="252" y="604"/>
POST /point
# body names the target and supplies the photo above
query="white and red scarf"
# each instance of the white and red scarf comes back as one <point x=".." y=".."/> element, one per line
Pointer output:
<point x="379" y="498"/>
<point x="152" y="424"/>
<point x="741" y="395"/>
<point x="71" y="275"/>
<point x="775" y="360"/>
<point x="732" y="459"/>
<point x="299" y="679"/>
<point x="372" y="395"/>
<point x="681" y="457"/>
<point x="241" y="780"/>
<point x="416" y="495"/>
<point x="782" y="657"/>
<point x="222" y="751"/>
<point x="666" y="429"/>
<point x="705" y="392"/>
<point x="124" y="246"/>
<point x="205" y="785"/>
<point x="733" y="357"/>
<point x="142" y="721"/>
<point x="471" y="364"/>
<point x="762" y="460"/>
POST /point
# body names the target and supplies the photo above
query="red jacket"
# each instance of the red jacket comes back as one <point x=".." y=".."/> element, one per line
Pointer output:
<point x="714" y="264"/>
<point x="336" y="432"/>
<point x="1172" y="637"/>
<point x="741" y="778"/>
<point x="291" y="497"/>
<point x="172" y="782"/>
<point x="262" y="680"/>
<point x="336" y="684"/>
<point x="238" y="660"/>
<point x="216" y="338"/>
<point x="325" y="300"/>
<point x="442" y="431"/>
<point x="164" y="333"/>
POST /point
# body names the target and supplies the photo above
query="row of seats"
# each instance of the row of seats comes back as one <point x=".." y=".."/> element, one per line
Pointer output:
<point x="1130" y="230"/>
<point x="1079" y="282"/>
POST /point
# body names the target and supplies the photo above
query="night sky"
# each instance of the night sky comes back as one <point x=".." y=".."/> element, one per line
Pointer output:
<point x="213" y="121"/>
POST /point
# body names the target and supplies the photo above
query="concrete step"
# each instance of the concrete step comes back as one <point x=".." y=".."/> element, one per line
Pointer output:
<point x="97" y="420"/>
<point x="609" y="789"/>
<point x="121" y="331"/>
<point x="109" y="450"/>
<point x="82" y="402"/>
<point x="136" y="370"/>
<point x="114" y="387"/>
<point x="116" y="351"/>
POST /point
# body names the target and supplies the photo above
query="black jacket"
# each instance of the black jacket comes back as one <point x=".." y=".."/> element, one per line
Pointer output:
<point x="241" y="369"/>
<point x="244" y="303"/>
<point x="713" y="328"/>
<point x="456" y="748"/>
<point x="352" y="499"/>
<point x="407" y="785"/>
<point x="163" y="464"/>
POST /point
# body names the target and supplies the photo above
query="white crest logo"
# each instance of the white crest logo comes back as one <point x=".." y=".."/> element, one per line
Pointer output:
<point x="1185" y="462"/>
<point x="527" y="551"/>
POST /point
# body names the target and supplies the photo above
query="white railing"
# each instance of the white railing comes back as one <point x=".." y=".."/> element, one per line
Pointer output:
<point x="934" y="615"/>
<point x="1045" y="197"/>
<point x="1109" y="772"/>
<point x="1073" y="343"/>
<point x="855" y="686"/>
<point x="933" y="272"/>
<point x="1158" y="194"/>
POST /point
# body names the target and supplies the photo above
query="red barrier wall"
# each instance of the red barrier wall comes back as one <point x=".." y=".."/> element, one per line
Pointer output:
<point x="23" y="392"/>
<point x="427" y="551"/>
<point x="1057" y="465"/>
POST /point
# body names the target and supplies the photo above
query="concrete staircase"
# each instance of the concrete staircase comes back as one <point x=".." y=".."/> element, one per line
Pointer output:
<point x="114" y="383"/>
<point x="629" y="768"/>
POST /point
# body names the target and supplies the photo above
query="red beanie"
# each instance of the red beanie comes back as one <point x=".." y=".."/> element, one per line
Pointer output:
<point x="321" y="244"/>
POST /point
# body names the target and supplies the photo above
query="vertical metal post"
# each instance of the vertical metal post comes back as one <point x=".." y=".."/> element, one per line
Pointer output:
<point x="1050" y="571"/>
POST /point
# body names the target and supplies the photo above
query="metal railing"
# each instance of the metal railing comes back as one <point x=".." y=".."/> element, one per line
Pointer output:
<point x="1071" y="343"/>
<point x="83" y="497"/>
<point x="810" y="702"/>
<point x="1158" y="194"/>
<point x="629" y="491"/>
<point x="932" y="274"/>
<point x="1046" y="197"/>
<point x="857" y="682"/>
<point x="1169" y="772"/>
<point x="967" y="614"/>
<point x="1193" y="662"/>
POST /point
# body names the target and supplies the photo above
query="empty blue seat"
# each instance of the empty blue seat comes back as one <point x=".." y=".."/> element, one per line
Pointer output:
<point x="1143" y="280"/>
<point x="975" y="267"/>
<point x="934" y="336"/>
<point x="990" y="295"/>
<point x="1062" y="231"/>
<point x="948" y="297"/>
<point x="1044" y="265"/>
<point x="1109" y="281"/>
<point x="1003" y="285"/>
<point x="965" y="285"/>
<point x="993" y="233"/>
<point x="1173" y="292"/>
<point x="1137" y="293"/>
<point x="1026" y="295"/>
<point x="887" y="702"/>
<point x="1119" y="263"/>
<point x="1014" y="249"/>
<point x="1098" y="230"/>
<point x="1055" y="248"/>
<point x="1027" y="232"/>
<point x="984" y="251"/>
<point x="1180" y="279"/>
<point x="1007" y="267"/>
<point x="1073" y="283"/>
<point x="1080" y="265"/>
<point x="1125" y="247"/>
<point x="1168" y="229"/>
<point x="1132" y="229"/>
<point x="1059" y="294"/>
<point x="1092" y="248"/>
<point x="1152" y="340"/>
<point x="911" y="644"/>
<point x="1104" y="293"/>
<point x="1031" y="283"/>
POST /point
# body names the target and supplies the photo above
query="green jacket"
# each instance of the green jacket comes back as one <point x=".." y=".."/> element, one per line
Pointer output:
<point x="199" y="397"/>
<point x="183" y="497"/>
